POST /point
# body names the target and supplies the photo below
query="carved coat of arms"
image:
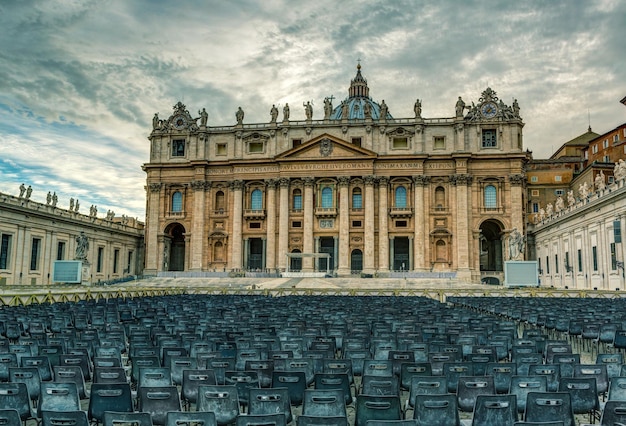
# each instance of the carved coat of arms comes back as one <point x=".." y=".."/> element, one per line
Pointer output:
<point x="326" y="147"/>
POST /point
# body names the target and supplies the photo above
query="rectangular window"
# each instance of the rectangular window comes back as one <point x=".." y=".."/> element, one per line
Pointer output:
<point x="594" y="149"/>
<point x="61" y="250"/>
<point x="356" y="223"/>
<point x="100" y="259"/>
<point x="255" y="147"/>
<point x="296" y="224"/>
<point x="400" y="223"/>
<point x="611" y="179"/>
<point x="489" y="138"/>
<point x="178" y="148"/>
<point x="547" y="265"/>
<point x="130" y="262"/>
<point x="34" y="254"/>
<point x="534" y="179"/>
<point x="580" y="260"/>
<point x="400" y="143"/>
<point x="534" y="193"/>
<point x="539" y="265"/>
<point x="616" y="138"/>
<point x="255" y="225"/>
<point x="557" y="178"/>
<point x="568" y="267"/>
<point x="535" y="207"/>
<point x="613" y="257"/>
<point x="605" y="144"/>
<point x="586" y="154"/>
<point x="356" y="141"/>
<point x="220" y="149"/>
<point x="556" y="263"/>
<point x="296" y="142"/>
<point x="606" y="159"/>
<point x="594" y="253"/>
<point x="297" y="202"/>
<point x="5" y="251"/>
<point x="116" y="258"/>
<point x="440" y="142"/>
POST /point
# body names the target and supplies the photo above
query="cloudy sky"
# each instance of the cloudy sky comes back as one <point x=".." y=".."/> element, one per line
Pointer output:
<point x="81" y="80"/>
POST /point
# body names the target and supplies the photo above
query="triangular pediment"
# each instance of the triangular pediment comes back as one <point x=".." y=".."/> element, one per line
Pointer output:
<point x="326" y="147"/>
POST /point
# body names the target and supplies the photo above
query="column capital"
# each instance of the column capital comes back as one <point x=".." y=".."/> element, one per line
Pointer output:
<point x="343" y="180"/>
<point x="383" y="181"/>
<point x="155" y="187"/>
<point x="200" y="185"/>
<point x="309" y="181"/>
<point x="283" y="182"/>
<point x="236" y="185"/>
<point x="271" y="183"/>
<point x="421" y="180"/>
<point x="461" y="179"/>
<point x="369" y="180"/>
<point x="517" y="178"/>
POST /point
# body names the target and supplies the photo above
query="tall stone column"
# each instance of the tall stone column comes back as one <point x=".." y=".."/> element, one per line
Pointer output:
<point x="270" y="245"/>
<point x="235" y="255"/>
<point x="517" y="214"/>
<point x="383" y="225"/>
<point x="154" y="256"/>
<point x="369" y="265"/>
<point x="420" y="239"/>
<point x="344" y="226"/>
<point x="283" y="223"/>
<point x="461" y="181"/>
<point x="197" y="224"/>
<point x="307" y="240"/>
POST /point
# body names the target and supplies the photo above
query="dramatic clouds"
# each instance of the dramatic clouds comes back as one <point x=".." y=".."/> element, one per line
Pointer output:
<point x="81" y="80"/>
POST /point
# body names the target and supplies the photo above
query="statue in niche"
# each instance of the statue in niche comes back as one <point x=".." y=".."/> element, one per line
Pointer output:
<point x="204" y="117"/>
<point x="286" y="112"/>
<point x="571" y="200"/>
<point x="239" y="115"/>
<point x="22" y="190"/>
<point x="417" y="108"/>
<point x="29" y="191"/>
<point x="273" y="114"/>
<point x="599" y="181"/>
<point x="82" y="246"/>
<point x="459" y="107"/>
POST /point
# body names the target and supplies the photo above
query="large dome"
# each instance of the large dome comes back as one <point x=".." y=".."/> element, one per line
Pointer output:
<point x="358" y="101"/>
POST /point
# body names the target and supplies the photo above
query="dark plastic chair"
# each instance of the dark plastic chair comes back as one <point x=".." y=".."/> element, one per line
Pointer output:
<point x="321" y="421"/>
<point x="71" y="374"/>
<point x="109" y="375"/>
<point x="338" y="366"/>
<point x="218" y="365"/>
<point x="453" y="370"/>
<point x="370" y="407"/>
<point x="470" y="388"/>
<point x="413" y="369"/>
<point x="584" y="395"/>
<point x="566" y="363"/>
<point x="41" y="363"/>
<point x="30" y="377"/>
<point x="10" y="417"/>
<point x="379" y="368"/>
<point x="539" y="424"/>
<point x="493" y="410"/>
<point x="426" y="385"/>
<point x="613" y="363"/>
<point x="58" y="397"/>
<point x="139" y="362"/>
<point x="341" y="381"/>
<point x="244" y="381"/>
<point x="263" y="401"/>
<point x="261" y="420"/>
<point x="617" y="389"/>
<point x="178" y="365"/>
<point x="436" y="410"/>
<point x="192" y="380"/>
<point x="614" y="413"/>
<point x="7" y="360"/>
<point x="198" y="418"/>
<point x="264" y="369"/>
<point x="63" y="418"/>
<point x="80" y="359"/>
<point x="158" y="401"/>
<point x="324" y="403"/>
<point x="15" y="395"/>
<point x="295" y="381"/>
<point x="222" y="400"/>
<point x="410" y="422"/>
<point x="551" y="371"/>
<point x="154" y="377"/>
<point x="597" y="371"/>
<point x="502" y="373"/>
<point x="114" y="418"/>
<point x="109" y="397"/>
<point x="549" y="406"/>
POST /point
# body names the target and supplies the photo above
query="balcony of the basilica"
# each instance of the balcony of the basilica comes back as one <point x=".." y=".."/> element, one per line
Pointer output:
<point x="254" y="213"/>
<point x="400" y="212"/>
<point x="325" y="212"/>
<point x="220" y="212"/>
<point x="175" y="215"/>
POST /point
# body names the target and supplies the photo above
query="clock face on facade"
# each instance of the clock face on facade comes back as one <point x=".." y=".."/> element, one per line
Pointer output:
<point x="179" y="122"/>
<point x="488" y="109"/>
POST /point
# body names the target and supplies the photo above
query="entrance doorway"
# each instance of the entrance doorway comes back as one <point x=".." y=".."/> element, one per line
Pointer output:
<point x="255" y="254"/>
<point x="356" y="261"/>
<point x="491" y="246"/>
<point x="401" y="254"/>
<point x="327" y="245"/>
<point x="177" y="248"/>
<point x="295" y="263"/>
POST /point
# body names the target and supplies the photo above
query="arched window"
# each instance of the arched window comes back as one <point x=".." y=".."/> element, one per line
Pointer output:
<point x="256" y="200"/>
<point x="441" y="254"/>
<point x="440" y="198"/>
<point x="297" y="199"/>
<point x="177" y="202"/>
<point x="218" y="252"/>
<point x="219" y="201"/>
<point x="357" y="198"/>
<point x="327" y="197"/>
<point x="400" y="197"/>
<point x="491" y="201"/>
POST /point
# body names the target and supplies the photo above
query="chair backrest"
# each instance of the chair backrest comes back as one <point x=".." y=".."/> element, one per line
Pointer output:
<point x="10" y="417"/>
<point x="244" y="381"/>
<point x="178" y="364"/>
<point x="221" y="400"/>
<point x="341" y="381"/>
<point x="41" y="363"/>
<point x="521" y="386"/>
<point x="71" y="374"/>
<point x="378" y="367"/>
<point x="80" y="359"/>
<point x="613" y="363"/>
<point x="15" y="395"/>
<point x="375" y="385"/>
<point x="57" y="418"/>
<point x="410" y="422"/>
<point x="7" y="360"/>
<point x="115" y="418"/>
<point x="139" y="362"/>
<point x="306" y="365"/>
<point x="29" y="376"/>
<point x="154" y="377"/>
<point x="218" y="365"/>
<point x="426" y="385"/>
<point x="261" y="420"/>
<point x="614" y="413"/>
<point x="409" y="370"/>
<point x="183" y="418"/>
<point x="453" y="370"/>
<point x="502" y="373"/>
<point x="264" y="370"/>
<point x="324" y="403"/>
<point x="583" y="392"/>
<point x="106" y="362"/>
<point x="158" y="401"/>
<point x="192" y="380"/>
<point x="597" y="371"/>
<point x="58" y="397"/>
<point x="549" y="406"/>
<point x="322" y="421"/>
<point x="551" y="371"/>
<point x="109" y="397"/>
<point x="371" y="407"/>
<point x="400" y="357"/>
<point x="335" y="366"/>
<point x="492" y="410"/>
<point x="357" y="357"/>
<point x="295" y="381"/>
<point x="617" y="389"/>
<point x="263" y="401"/>
<point x="470" y="387"/>
<point x="436" y="410"/>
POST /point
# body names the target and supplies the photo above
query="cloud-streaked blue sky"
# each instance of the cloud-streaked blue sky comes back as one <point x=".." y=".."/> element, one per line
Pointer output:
<point x="81" y="80"/>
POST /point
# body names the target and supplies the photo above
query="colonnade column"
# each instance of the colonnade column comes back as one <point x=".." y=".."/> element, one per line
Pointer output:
<point x="153" y="255"/>
<point x="235" y="255"/>
<point x="283" y="223"/>
<point x="383" y="225"/>
<point x="419" y="252"/>
<point x="307" y="240"/>
<point x="369" y="266"/>
<point x="344" y="226"/>
<point x="270" y="243"/>
<point x="197" y="224"/>
<point x="462" y="181"/>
